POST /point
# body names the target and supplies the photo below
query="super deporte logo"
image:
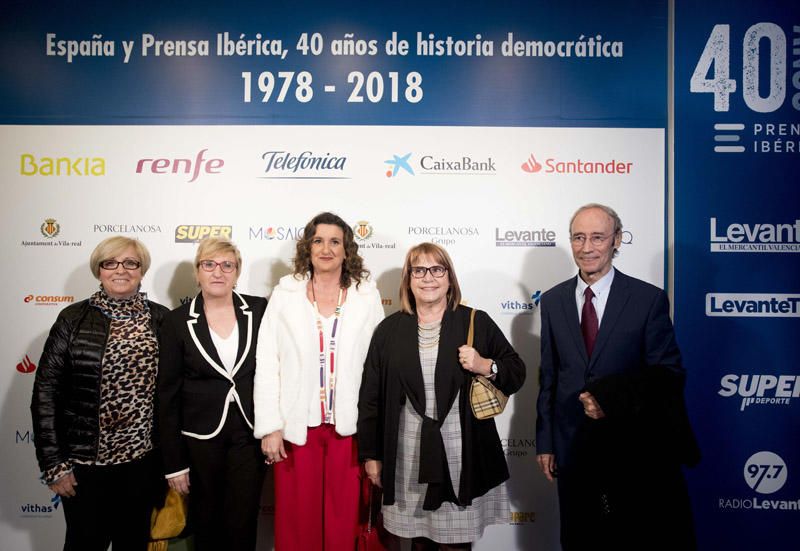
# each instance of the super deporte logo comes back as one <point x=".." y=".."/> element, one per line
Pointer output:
<point x="753" y="389"/>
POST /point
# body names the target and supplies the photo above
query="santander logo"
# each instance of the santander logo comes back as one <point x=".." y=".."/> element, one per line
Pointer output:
<point x="531" y="166"/>
<point x="26" y="365"/>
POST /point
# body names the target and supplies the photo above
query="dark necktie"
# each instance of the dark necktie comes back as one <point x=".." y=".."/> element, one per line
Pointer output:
<point x="589" y="324"/>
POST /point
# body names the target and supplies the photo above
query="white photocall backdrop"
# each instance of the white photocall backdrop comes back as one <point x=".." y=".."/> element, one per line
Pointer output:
<point x="503" y="216"/>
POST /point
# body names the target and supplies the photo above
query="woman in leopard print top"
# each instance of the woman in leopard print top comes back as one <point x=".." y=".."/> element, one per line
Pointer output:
<point x="93" y="404"/>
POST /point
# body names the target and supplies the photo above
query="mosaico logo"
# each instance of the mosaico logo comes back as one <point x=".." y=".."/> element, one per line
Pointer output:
<point x="761" y="390"/>
<point x="48" y="300"/>
<point x="754" y="237"/>
<point x="50" y="229"/>
<point x="444" y="235"/>
<point x="194" y="233"/>
<point x="275" y="233"/>
<point x="555" y="165"/>
<point x="190" y="168"/>
<point x="33" y="165"/>
<point x="523" y="237"/>
<point x="364" y="234"/>
<point x="462" y="165"/>
<point x="753" y="305"/>
<point x="303" y="165"/>
<point x="765" y="473"/>
<point x="126" y="228"/>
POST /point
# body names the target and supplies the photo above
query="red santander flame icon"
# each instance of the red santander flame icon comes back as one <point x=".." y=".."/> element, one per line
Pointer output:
<point x="26" y="365"/>
<point x="531" y="166"/>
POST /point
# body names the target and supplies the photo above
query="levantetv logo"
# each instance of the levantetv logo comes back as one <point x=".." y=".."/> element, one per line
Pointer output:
<point x="753" y="305"/>
<point x="525" y="238"/>
<point x="306" y="165"/>
<point x="770" y="390"/>
<point x="756" y="238"/>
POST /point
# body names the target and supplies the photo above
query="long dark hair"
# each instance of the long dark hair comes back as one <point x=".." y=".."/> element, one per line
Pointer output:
<point x="353" y="265"/>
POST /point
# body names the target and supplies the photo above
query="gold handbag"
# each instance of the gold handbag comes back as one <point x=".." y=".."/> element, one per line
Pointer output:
<point x="486" y="400"/>
<point x="168" y="521"/>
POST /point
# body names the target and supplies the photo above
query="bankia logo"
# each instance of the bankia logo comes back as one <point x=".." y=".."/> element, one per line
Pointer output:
<point x="554" y="165"/>
<point x="191" y="168"/>
<point x="194" y="233"/>
<point x="31" y="165"/>
<point x="462" y="165"/>
<point x="303" y="165"/>
<point x="26" y="365"/>
<point x="765" y="473"/>
<point x="521" y="237"/>
<point x="398" y="164"/>
<point x="759" y="389"/>
<point x="275" y="233"/>
<point x="515" y="306"/>
<point x="758" y="237"/>
<point x="753" y="305"/>
<point x="50" y="229"/>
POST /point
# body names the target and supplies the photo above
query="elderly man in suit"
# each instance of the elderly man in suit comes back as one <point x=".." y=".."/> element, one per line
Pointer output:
<point x="612" y="424"/>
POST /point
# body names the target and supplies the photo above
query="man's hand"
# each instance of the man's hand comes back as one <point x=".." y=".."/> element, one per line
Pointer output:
<point x="547" y="462"/>
<point x="590" y="406"/>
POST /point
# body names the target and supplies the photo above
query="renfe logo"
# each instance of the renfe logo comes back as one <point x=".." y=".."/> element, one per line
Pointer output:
<point x="767" y="238"/>
<point x="187" y="166"/>
<point x="753" y="305"/>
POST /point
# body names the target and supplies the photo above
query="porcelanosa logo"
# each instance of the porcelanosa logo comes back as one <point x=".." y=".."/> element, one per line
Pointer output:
<point x="126" y="228"/>
<point x="275" y="233"/>
<point x="524" y="237"/>
<point x="576" y="166"/>
<point x="463" y="165"/>
<point x="305" y="165"/>
<point x="763" y="390"/>
<point x="753" y="305"/>
<point x="765" y="473"/>
<point x="443" y="235"/>
<point x="755" y="237"/>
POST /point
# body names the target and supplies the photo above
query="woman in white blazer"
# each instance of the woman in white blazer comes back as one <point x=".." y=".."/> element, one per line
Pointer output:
<point x="310" y="357"/>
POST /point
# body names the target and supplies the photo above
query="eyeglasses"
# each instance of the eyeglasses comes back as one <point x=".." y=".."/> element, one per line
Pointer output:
<point x="418" y="272"/>
<point x="596" y="239"/>
<point x="209" y="265"/>
<point x="128" y="264"/>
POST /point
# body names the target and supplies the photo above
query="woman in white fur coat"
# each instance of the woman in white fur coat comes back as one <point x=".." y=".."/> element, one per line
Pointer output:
<point x="311" y="350"/>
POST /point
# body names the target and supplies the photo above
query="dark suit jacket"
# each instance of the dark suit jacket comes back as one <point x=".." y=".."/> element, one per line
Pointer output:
<point x="635" y="373"/>
<point x="193" y="386"/>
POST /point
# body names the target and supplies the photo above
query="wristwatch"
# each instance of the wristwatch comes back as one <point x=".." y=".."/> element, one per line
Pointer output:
<point x="493" y="369"/>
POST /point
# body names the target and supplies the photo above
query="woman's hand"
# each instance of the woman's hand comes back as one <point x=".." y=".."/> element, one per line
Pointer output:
<point x="64" y="486"/>
<point x="473" y="362"/>
<point x="373" y="468"/>
<point x="180" y="483"/>
<point x="272" y="448"/>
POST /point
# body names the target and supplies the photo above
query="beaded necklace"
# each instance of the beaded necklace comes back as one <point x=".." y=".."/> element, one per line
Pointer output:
<point x="326" y="395"/>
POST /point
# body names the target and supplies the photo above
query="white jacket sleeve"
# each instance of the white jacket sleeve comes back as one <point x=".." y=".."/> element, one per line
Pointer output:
<point x="266" y="392"/>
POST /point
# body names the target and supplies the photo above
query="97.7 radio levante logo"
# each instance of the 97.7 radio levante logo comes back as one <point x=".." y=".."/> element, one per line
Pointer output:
<point x="765" y="473"/>
<point x="763" y="47"/>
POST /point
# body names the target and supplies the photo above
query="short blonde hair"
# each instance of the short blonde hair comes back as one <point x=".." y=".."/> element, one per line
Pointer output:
<point x="108" y="248"/>
<point x="212" y="246"/>
<point x="407" y="302"/>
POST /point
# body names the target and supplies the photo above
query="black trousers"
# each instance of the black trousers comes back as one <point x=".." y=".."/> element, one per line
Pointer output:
<point x="112" y="505"/>
<point x="226" y="473"/>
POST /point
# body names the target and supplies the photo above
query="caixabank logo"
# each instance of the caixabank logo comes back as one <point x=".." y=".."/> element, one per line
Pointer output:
<point x="754" y="237"/>
<point x="759" y="389"/>
<point x="765" y="474"/>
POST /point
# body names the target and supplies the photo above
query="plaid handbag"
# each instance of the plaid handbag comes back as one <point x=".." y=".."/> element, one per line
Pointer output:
<point x="486" y="400"/>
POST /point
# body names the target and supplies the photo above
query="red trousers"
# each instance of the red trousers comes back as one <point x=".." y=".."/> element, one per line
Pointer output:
<point x="317" y="490"/>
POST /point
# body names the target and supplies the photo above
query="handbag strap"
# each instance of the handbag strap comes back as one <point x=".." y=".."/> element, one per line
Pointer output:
<point x="471" y="331"/>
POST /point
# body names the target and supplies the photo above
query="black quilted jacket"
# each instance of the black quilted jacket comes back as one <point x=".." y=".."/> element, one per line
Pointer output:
<point x="66" y="393"/>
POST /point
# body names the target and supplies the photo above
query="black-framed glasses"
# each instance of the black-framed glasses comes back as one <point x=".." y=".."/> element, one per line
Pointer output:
<point x="128" y="264"/>
<point x="595" y="239"/>
<point x="210" y="265"/>
<point x="418" y="272"/>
